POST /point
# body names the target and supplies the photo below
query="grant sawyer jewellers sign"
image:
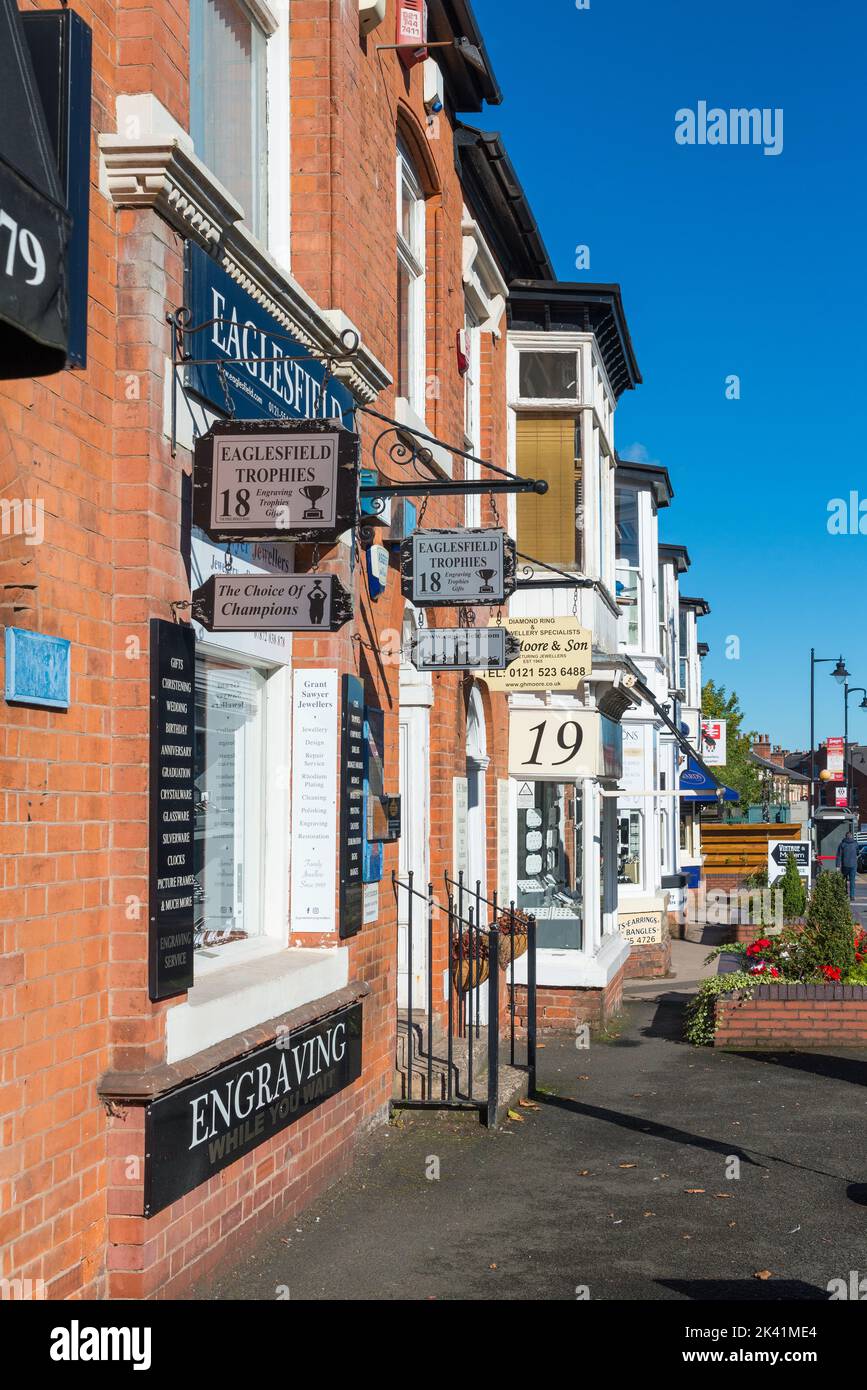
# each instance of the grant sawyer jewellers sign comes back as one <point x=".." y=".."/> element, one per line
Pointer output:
<point x="258" y="481"/>
<point x="272" y="603"/>
<point x="171" y="880"/>
<point x="268" y="374"/>
<point x="199" y="1129"/>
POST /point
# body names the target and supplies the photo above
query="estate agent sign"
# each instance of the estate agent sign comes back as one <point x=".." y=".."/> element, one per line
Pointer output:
<point x="556" y="654"/>
<point x="172" y="798"/>
<point x="272" y="603"/>
<point x="256" y="479"/>
<point x="487" y="649"/>
<point x="195" y="1131"/>
<point x="456" y="567"/>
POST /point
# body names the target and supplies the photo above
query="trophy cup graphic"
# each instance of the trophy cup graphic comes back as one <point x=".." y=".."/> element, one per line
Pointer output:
<point x="314" y="492"/>
<point x="487" y="575"/>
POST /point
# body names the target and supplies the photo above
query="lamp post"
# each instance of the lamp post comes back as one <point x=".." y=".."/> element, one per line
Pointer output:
<point x="840" y="675"/>
<point x="847" y="691"/>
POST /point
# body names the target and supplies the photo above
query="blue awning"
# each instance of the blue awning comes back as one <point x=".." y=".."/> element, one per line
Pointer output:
<point x="698" y="786"/>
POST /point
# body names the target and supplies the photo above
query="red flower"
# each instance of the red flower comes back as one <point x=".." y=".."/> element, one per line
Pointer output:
<point x="831" y="972"/>
<point x="774" y="971"/>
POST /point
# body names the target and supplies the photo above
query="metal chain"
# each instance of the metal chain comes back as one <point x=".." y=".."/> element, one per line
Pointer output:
<point x="494" y="512"/>
<point x="422" y="510"/>
<point x="230" y="404"/>
<point x="315" y="567"/>
<point x="575" y="602"/>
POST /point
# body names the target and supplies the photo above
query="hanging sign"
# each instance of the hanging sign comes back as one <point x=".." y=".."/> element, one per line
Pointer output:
<point x="196" y="1130"/>
<point x="172" y="815"/>
<point x="835" y="759"/>
<point x="562" y="745"/>
<point x="272" y="603"/>
<point x="556" y="654"/>
<point x="352" y="747"/>
<point x="713" y="742"/>
<point x="464" y="649"/>
<point x="457" y="567"/>
<point x="269" y="480"/>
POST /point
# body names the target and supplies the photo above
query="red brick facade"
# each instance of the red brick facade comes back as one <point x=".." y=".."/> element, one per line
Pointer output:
<point x="92" y="446"/>
<point x="565" y="1010"/>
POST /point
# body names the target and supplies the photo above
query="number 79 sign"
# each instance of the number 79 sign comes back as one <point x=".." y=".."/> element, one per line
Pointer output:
<point x="554" y="745"/>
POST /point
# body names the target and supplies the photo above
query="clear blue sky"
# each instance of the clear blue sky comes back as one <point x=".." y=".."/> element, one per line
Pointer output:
<point x="731" y="262"/>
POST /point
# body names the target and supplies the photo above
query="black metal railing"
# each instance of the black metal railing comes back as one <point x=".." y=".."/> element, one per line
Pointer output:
<point x="474" y="958"/>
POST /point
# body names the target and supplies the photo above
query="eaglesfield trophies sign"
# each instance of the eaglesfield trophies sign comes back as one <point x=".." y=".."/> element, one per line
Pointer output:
<point x="276" y="480"/>
<point x="457" y="567"/>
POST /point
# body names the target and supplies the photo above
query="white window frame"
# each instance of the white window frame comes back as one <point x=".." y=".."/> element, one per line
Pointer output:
<point x="473" y="411"/>
<point x="621" y="567"/>
<point x="272" y="22"/>
<point x="273" y="892"/>
<point x="554" y="349"/>
<point x="411" y="254"/>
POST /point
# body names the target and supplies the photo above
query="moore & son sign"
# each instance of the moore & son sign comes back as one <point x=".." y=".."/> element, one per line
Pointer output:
<point x="194" y="1132"/>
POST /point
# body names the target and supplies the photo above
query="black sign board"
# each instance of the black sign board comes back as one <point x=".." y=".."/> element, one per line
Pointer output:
<point x="464" y="649"/>
<point x="272" y="603"/>
<point x="276" y="480"/>
<point x="799" y="850"/>
<point x="448" y="568"/>
<point x="171" y="877"/>
<point x="352" y="807"/>
<point x="194" y="1132"/>
<point x="34" y="222"/>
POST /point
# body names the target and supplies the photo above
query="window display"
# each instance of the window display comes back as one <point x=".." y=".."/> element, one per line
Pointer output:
<point x="550" y="861"/>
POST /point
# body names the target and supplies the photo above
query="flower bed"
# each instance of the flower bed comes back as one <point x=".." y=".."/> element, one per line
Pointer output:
<point x="804" y="986"/>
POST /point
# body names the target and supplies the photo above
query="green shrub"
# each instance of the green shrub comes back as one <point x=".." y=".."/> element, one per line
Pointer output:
<point x="794" y="891"/>
<point x="828" y="937"/>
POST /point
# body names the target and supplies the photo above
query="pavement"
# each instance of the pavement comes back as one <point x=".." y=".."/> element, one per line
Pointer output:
<point x="650" y="1170"/>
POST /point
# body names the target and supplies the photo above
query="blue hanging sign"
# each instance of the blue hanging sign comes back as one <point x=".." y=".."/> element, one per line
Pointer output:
<point x="278" y="380"/>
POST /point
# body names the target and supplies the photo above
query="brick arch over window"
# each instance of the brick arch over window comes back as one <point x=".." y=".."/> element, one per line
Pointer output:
<point x="414" y="136"/>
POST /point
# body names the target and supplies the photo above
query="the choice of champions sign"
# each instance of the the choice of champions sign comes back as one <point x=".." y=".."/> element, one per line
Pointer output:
<point x="272" y="603"/>
<point x="269" y="480"/>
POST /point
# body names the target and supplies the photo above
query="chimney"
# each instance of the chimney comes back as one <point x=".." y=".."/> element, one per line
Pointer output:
<point x="762" y="746"/>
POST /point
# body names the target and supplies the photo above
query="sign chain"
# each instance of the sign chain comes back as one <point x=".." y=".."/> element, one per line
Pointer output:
<point x="230" y="404"/>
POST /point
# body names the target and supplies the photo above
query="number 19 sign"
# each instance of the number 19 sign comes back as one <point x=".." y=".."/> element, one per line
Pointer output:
<point x="554" y="745"/>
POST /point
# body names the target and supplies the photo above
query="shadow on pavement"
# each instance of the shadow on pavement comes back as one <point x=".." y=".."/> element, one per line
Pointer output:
<point x="850" y="1069"/>
<point x="746" y="1290"/>
<point x="667" y="1021"/>
<point x="857" y="1192"/>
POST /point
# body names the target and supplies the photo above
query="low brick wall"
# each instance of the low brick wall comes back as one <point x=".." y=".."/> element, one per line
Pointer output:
<point x="649" y="962"/>
<point x="788" y="1016"/>
<point x="561" y="1010"/>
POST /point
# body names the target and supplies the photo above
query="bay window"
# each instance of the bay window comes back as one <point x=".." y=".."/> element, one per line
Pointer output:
<point x="629" y="847"/>
<point x="628" y="562"/>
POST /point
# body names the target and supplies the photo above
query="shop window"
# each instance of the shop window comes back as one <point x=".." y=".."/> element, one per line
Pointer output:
<point x="548" y="376"/>
<point x="228" y="100"/>
<point x="629" y="847"/>
<point x="550" y="861"/>
<point x="410" y="283"/>
<point x="231" y="762"/>
<point x="551" y="527"/>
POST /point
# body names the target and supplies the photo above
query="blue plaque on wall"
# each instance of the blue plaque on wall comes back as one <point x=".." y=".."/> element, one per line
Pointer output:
<point x="37" y="668"/>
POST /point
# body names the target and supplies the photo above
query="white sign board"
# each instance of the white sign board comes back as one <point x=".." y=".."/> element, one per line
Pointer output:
<point x="314" y="801"/>
<point x="452" y="567"/>
<point x="459" y="649"/>
<point x="714" y="742"/>
<point x="554" y="745"/>
<point x="836" y="748"/>
<point x="641" y="928"/>
<point x="275" y="480"/>
<point x="556" y="654"/>
<point x="781" y="850"/>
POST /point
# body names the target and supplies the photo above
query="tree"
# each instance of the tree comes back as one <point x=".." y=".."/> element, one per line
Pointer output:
<point x="794" y="891"/>
<point x="828" y="938"/>
<point x="739" y="773"/>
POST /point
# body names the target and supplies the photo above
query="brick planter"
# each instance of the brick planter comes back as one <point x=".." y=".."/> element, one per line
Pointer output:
<point x="788" y="1016"/>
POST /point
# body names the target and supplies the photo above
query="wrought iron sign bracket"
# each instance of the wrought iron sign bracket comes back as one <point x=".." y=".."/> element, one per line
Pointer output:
<point x="563" y="580"/>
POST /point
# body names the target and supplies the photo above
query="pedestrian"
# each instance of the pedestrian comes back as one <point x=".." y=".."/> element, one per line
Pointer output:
<point x="847" y="860"/>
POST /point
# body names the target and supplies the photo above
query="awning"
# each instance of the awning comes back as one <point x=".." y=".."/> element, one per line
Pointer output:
<point x="35" y="224"/>
<point x="697" y="784"/>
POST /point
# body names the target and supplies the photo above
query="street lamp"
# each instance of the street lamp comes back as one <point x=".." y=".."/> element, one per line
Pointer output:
<point x="847" y="691"/>
<point x="840" y="675"/>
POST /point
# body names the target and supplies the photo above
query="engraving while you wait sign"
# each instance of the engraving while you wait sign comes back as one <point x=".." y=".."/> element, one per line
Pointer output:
<point x="275" y="480"/>
<point x="453" y="567"/>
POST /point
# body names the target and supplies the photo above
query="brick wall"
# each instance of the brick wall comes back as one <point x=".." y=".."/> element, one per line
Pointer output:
<point x="648" y="962"/>
<point x="794" y="1016"/>
<point x="562" y="1010"/>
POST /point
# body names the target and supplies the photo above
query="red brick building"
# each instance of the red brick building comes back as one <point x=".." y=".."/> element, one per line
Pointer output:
<point x="294" y="187"/>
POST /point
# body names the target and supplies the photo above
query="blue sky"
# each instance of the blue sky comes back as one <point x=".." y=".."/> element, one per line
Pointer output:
<point x="731" y="262"/>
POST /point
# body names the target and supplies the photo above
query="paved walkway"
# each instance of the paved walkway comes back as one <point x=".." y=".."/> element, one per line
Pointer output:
<point x="621" y="1181"/>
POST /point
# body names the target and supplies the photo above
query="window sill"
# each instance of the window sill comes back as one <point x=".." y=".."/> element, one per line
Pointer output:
<point x="231" y="998"/>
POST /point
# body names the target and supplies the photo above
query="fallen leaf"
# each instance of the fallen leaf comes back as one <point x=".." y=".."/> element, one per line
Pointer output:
<point x="584" y="1173"/>
<point x="692" y="1190"/>
<point x="584" y="1078"/>
<point x="732" y="1223"/>
<point x="650" y="1213"/>
<point x="513" y="1115"/>
<point x="724" y="1196"/>
<point x="526" y="1104"/>
<point x="627" y="1165"/>
<point x="763" y="1274"/>
<point x="493" y="1266"/>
